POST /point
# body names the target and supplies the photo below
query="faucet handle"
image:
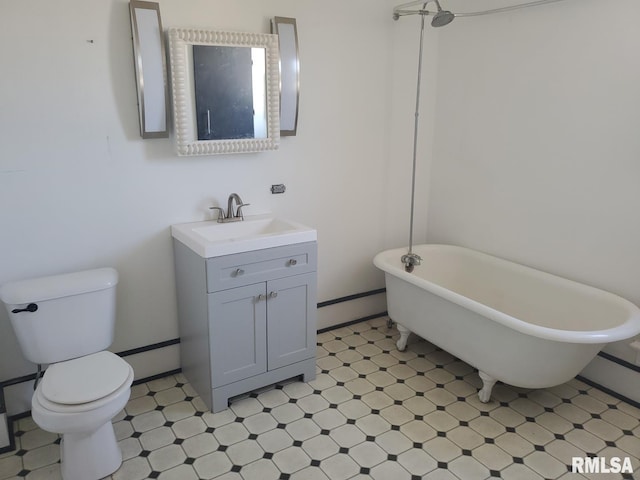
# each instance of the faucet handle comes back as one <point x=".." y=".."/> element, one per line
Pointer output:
<point x="220" y="213"/>
<point x="239" y="210"/>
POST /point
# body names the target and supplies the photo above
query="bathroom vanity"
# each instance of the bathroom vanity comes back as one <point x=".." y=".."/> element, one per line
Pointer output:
<point x="247" y="314"/>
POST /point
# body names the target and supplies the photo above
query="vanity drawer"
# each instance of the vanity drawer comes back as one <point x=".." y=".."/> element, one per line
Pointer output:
<point x="231" y="271"/>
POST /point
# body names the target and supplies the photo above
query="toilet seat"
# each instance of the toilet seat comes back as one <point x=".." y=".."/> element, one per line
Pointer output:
<point x="60" y="408"/>
<point x="89" y="447"/>
<point x="84" y="383"/>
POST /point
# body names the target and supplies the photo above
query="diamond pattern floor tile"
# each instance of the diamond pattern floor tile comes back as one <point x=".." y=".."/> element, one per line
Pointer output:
<point x="372" y="412"/>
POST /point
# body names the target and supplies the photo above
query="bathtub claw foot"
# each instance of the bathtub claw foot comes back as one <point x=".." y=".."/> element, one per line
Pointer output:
<point x="487" y="385"/>
<point x="404" y="337"/>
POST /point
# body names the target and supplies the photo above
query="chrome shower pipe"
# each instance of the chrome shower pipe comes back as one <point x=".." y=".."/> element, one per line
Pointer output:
<point x="506" y="9"/>
<point x="410" y="260"/>
<point x="401" y="10"/>
<point x="405" y="9"/>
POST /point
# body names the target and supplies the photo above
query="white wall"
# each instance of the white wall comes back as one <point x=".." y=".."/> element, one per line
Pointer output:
<point x="537" y="151"/>
<point x="535" y="154"/>
<point x="80" y="189"/>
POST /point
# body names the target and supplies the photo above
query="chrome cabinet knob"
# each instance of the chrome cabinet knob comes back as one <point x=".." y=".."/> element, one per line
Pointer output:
<point x="292" y="262"/>
<point x="273" y="294"/>
<point x="237" y="272"/>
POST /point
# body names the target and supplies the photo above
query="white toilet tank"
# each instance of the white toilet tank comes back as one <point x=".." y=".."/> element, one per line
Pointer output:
<point x="61" y="317"/>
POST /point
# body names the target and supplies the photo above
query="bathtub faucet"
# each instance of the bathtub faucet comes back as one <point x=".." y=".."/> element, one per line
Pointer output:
<point x="410" y="260"/>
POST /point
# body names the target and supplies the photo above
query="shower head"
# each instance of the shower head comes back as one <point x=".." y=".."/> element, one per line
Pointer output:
<point x="442" y="17"/>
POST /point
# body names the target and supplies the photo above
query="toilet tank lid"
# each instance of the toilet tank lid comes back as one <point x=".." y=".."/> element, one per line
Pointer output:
<point x="58" y="286"/>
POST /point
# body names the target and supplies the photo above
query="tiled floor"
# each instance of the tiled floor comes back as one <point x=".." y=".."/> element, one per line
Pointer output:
<point x="372" y="412"/>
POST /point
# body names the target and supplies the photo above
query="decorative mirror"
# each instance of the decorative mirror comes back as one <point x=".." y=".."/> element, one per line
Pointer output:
<point x="151" y="69"/>
<point x="287" y="32"/>
<point x="225" y="91"/>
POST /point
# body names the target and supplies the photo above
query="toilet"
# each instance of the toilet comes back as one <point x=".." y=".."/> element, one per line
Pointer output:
<point x="67" y="322"/>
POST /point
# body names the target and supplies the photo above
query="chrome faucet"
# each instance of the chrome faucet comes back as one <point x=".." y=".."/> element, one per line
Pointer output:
<point x="231" y="215"/>
<point x="239" y="205"/>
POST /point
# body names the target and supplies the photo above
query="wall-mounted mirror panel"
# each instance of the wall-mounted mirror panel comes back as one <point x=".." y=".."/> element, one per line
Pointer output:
<point x="225" y="91"/>
<point x="151" y="69"/>
<point x="287" y="32"/>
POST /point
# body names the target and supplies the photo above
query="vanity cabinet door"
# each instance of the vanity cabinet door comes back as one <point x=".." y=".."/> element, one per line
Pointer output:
<point x="238" y="333"/>
<point x="291" y="319"/>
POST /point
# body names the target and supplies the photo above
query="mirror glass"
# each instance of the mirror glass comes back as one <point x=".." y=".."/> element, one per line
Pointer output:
<point x="225" y="91"/>
<point x="150" y="66"/>
<point x="287" y="32"/>
<point x="230" y="93"/>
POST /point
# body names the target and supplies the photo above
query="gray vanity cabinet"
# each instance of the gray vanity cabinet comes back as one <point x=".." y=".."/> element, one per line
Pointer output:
<point x="289" y="339"/>
<point x="246" y="320"/>
<point x="237" y="334"/>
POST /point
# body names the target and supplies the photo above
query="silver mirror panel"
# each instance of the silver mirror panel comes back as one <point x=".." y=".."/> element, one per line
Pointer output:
<point x="151" y="69"/>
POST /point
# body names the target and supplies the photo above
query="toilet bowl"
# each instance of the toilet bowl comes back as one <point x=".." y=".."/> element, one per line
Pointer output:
<point x="72" y="402"/>
<point x="67" y="322"/>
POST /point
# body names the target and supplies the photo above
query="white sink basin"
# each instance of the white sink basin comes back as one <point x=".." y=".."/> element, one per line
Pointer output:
<point x="255" y="232"/>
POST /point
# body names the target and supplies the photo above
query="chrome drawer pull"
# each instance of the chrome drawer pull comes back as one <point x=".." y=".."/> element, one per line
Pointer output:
<point x="292" y="262"/>
<point x="238" y="272"/>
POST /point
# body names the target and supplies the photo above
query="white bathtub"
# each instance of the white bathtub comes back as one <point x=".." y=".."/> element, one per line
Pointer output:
<point x="513" y="323"/>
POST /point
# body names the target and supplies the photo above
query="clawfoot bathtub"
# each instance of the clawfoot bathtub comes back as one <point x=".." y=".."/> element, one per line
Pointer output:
<point x="513" y="323"/>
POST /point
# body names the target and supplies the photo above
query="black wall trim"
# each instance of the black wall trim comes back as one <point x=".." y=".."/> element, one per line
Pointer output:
<point x="16" y="380"/>
<point x="168" y="343"/>
<point x="148" y="348"/>
<point x="609" y="391"/>
<point x="156" y="377"/>
<point x="126" y="353"/>
<point x="348" y="298"/>
<point x="353" y="322"/>
<point x="619" y="361"/>
<point x="176" y="341"/>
